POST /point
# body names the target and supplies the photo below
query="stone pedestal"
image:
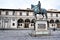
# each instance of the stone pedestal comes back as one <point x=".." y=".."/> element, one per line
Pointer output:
<point x="41" y="28"/>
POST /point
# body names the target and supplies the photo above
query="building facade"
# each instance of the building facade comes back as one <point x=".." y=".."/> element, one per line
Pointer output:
<point x="17" y="18"/>
<point x="53" y="18"/>
<point x="24" y="18"/>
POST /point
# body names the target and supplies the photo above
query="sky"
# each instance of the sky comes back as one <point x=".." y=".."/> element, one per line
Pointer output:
<point x="24" y="4"/>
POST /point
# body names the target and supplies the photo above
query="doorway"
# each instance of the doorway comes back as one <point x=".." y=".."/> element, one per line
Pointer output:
<point x="27" y="22"/>
<point x="19" y="23"/>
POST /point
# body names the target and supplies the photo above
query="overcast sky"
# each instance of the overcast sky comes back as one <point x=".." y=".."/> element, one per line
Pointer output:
<point x="23" y="4"/>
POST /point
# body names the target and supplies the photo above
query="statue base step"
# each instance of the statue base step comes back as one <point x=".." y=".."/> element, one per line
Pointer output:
<point x="40" y="33"/>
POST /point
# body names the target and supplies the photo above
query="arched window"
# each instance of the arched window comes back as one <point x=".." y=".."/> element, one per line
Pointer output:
<point x="51" y="21"/>
<point x="27" y="20"/>
<point x="33" y="21"/>
<point x="57" y="21"/>
<point x="20" y="21"/>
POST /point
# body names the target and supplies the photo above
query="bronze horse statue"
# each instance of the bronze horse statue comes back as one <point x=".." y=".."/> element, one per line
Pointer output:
<point x="38" y="10"/>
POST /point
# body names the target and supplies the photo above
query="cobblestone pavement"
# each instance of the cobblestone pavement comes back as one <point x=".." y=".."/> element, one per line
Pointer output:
<point x="24" y="35"/>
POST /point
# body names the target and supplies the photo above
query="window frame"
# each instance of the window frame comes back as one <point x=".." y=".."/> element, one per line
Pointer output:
<point x="27" y="13"/>
<point x="13" y="12"/>
<point x="13" y="24"/>
<point x="51" y="14"/>
<point x="6" y="12"/>
<point x="20" y="13"/>
<point x="0" y="12"/>
<point x="56" y="15"/>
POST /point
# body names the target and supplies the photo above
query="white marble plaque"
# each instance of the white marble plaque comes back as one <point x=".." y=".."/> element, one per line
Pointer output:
<point x="41" y="26"/>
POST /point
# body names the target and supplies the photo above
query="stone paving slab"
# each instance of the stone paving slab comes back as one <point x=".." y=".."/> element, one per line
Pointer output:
<point x="24" y="35"/>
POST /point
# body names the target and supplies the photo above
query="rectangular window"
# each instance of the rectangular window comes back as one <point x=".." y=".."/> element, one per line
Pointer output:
<point x="6" y="12"/>
<point x="13" y="12"/>
<point x="0" y="12"/>
<point x="13" y="24"/>
<point x="51" y="14"/>
<point x="20" y="13"/>
<point x="27" y="13"/>
<point x="6" y="21"/>
<point x="56" y="15"/>
<point x="13" y="19"/>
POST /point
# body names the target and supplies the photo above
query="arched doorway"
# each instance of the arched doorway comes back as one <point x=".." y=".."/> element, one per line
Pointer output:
<point x="57" y="21"/>
<point x="33" y="23"/>
<point x="19" y="22"/>
<point x="27" y="21"/>
<point x="51" y="21"/>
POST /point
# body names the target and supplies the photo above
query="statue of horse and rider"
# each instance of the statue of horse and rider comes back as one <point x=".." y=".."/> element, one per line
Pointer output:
<point x="38" y="10"/>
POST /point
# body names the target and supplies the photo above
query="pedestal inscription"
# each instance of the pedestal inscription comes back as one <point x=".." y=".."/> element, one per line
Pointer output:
<point x="41" y="26"/>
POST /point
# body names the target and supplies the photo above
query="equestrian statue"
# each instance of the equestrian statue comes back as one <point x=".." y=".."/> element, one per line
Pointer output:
<point x="38" y="10"/>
